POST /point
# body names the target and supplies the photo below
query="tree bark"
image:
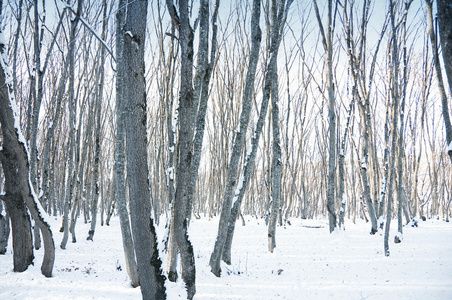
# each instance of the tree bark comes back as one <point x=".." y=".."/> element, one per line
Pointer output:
<point x="327" y="40"/>
<point x="186" y="130"/>
<point x="152" y="281"/>
<point x="119" y="169"/>
<point x="232" y="168"/>
<point x="444" y="16"/>
<point x="395" y="116"/>
<point x="4" y="227"/>
<point x="72" y="122"/>
<point x="99" y="97"/>
<point x="19" y="193"/>
<point x="400" y="187"/>
<point x="277" y="31"/>
<point x="256" y="37"/>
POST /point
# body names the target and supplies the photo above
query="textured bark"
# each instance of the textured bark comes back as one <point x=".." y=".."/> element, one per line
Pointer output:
<point x="341" y="167"/>
<point x="127" y="242"/>
<point x="186" y="130"/>
<point x="4" y="228"/>
<point x="38" y="92"/>
<point x="152" y="281"/>
<point x="365" y="111"/>
<point x="16" y="46"/>
<point x="201" y="96"/>
<point x="232" y="168"/>
<point x="400" y="187"/>
<point x="348" y="38"/>
<point x="327" y="40"/>
<point x="172" y="245"/>
<point x="201" y="89"/>
<point x="445" y="33"/>
<point x="19" y="193"/>
<point x="276" y="162"/>
<point x="250" y="158"/>
<point x="444" y="16"/>
<point x="278" y="16"/>
<point x="47" y="170"/>
<point x="395" y="116"/>
<point x="99" y="97"/>
<point x="72" y="130"/>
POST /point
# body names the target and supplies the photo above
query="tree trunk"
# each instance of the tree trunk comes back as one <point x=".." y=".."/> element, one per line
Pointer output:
<point x="152" y="281"/>
<point x="445" y="33"/>
<point x="276" y="146"/>
<point x="400" y="187"/>
<point x="232" y="168"/>
<point x="99" y="97"/>
<point x="327" y="40"/>
<point x="444" y="16"/>
<point x="72" y="129"/>
<point x="250" y="158"/>
<point x="119" y="169"/>
<point x="395" y="116"/>
<point x="4" y="228"/>
<point x="19" y="193"/>
<point x="186" y="130"/>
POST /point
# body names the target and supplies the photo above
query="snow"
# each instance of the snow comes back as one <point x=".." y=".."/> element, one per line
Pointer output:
<point x="364" y="164"/>
<point x="171" y="173"/>
<point x="308" y="263"/>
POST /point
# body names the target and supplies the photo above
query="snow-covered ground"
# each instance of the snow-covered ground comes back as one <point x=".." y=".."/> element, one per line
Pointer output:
<point x="308" y="263"/>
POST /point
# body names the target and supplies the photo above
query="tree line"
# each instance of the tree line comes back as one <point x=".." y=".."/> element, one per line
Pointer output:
<point x="167" y="111"/>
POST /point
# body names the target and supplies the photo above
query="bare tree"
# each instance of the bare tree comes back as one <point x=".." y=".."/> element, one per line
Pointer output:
<point x="445" y="31"/>
<point x="119" y="169"/>
<point x="152" y="281"/>
<point x="327" y="41"/>
<point x="99" y="96"/>
<point x="394" y="71"/>
<point x="232" y="168"/>
<point x="19" y="192"/>
<point x="72" y="124"/>
<point x="186" y="130"/>
<point x="279" y="15"/>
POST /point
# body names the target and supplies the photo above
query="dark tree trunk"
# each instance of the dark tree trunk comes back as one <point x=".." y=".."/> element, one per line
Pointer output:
<point x="152" y="281"/>
<point x="445" y="31"/>
<point x="19" y="194"/>
<point x="186" y="131"/>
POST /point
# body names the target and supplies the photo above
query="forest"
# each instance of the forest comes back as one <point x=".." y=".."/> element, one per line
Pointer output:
<point x="154" y="115"/>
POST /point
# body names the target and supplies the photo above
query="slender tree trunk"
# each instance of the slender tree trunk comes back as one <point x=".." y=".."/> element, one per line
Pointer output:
<point x="276" y="146"/>
<point x="201" y="91"/>
<point x="99" y="97"/>
<point x="46" y="177"/>
<point x="250" y="158"/>
<point x="232" y="168"/>
<point x="186" y="130"/>
<point x="395" y="115"/>
<point x="152" y="281"/>
<point x="72" y="121"/>
<point x="327" y="40"/>
<point x="172" y="245"/>
<point x="276" y="162"/>
<point x="119" y="168"/>
<point x="364" y="165"/>
<point x="400" y="187"/>
<point x="446" y="42"/>
<point x="4" y="226"/>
